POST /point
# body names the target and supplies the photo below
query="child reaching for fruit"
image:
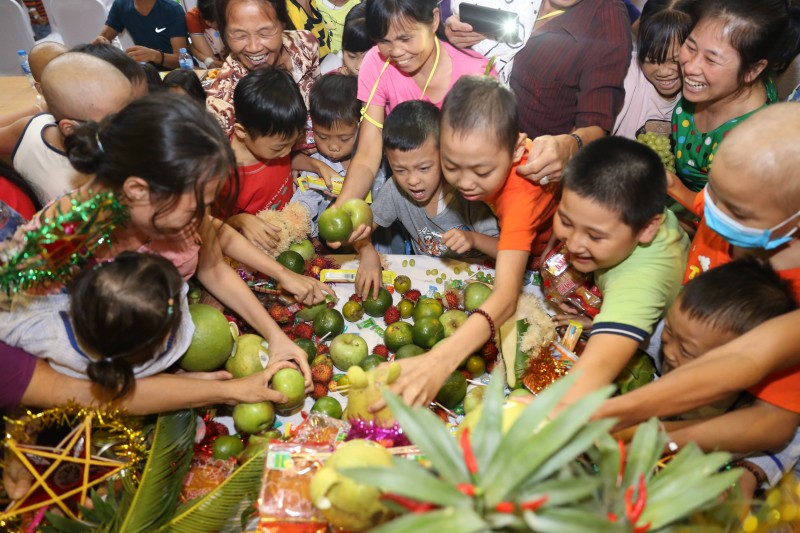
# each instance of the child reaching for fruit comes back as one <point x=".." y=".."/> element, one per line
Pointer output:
<point x="123" y="318"/>
<point x="165" y="163"/>
<point x="440" y="221"/>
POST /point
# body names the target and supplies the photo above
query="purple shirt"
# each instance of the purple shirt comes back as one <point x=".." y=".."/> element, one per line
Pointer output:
<point x="16" y="369"/>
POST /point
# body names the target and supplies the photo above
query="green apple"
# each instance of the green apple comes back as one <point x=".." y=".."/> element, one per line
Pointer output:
<point x="251" y="356"/>
<point x="226" y="446"/>
<point x="335" y="225"/>
<point x="359" y="211"/>
<point x="253" y="417"/>
<point x="348" y="349"/>
<point x="475" y="294"/>
<point x="304" y="248"/>
<point x="291" y="384"/>
<point x="452" y="320"/>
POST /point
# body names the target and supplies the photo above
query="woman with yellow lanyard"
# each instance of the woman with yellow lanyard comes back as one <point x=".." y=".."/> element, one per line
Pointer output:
<point x="408" y="63"/>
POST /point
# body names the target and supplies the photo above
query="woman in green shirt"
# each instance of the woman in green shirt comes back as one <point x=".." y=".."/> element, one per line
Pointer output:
<point x="728" y="61"/>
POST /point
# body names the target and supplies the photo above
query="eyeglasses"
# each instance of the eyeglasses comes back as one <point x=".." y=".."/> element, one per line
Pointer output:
<point x="242" y="36"/>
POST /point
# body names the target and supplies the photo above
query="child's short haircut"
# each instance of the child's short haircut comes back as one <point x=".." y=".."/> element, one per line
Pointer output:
<point x="483" y="104"/>
<point x="188" y="82"/>
<point x="737" y="296"/>
<point x="207" y="9"/>
<point x="122" y="311"/>
<point x="355" y="38"/>
<point x="268" y="102"/>
<point x="410" y="124"/>
<point x="622" y="175"/>
<point x="334" y="100"/>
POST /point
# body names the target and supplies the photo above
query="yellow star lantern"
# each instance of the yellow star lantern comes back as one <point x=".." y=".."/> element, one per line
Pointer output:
<point x="61" y="473"/>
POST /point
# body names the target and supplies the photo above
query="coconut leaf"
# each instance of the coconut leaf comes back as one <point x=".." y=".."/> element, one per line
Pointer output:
<point x="561" y="520"/>
<point x="428" y="433"/>
<point x="146" y="507"/>
<point x="645" y="449"/>
<point x="223" y="505"/>
<point x="60" y="524"/>
<point x="488" y="434"/>
<point x="450" y="519"/>
<point x="561" y="491"/>
<point x="409" y="479"/>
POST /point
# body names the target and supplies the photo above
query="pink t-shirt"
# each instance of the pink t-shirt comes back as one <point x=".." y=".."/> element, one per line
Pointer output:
<point x="394" y="87"/>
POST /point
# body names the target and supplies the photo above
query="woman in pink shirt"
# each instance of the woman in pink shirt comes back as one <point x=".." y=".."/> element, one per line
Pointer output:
<point x="408" y="63"/>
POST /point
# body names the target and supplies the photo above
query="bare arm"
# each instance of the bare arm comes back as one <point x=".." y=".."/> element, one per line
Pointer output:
<point x="366" y="160"/>
<point x="551" y="153"/>
<point x="107" y="34"/>
<point x="9" y="135"/>
<point x="368" y="276"/>
<point x="744" y="362"/>
<point x="461" y="242"/>
<point x="200" y="49"/>
<point x="682" y="194"/>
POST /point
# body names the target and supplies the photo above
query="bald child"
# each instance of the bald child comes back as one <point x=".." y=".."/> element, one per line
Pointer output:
<point x="751" y="206"/>
<point x="41" y="54"/>
<point x="78" y="88"/>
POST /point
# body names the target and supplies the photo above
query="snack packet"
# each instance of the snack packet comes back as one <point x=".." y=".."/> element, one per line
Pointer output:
<point x="562" y="283"/>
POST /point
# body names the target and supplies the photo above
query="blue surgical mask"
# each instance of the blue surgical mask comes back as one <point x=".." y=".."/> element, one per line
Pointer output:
<point x="740" y="235"/>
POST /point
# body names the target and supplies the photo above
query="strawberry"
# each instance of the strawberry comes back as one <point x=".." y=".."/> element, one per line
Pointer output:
<point x="392" y="315"/>
<point x="320" y="390"/>
<point x="381" y="350"/>
<point x="412" y="295"/>
<point x="280" y="314"/>
<point x="303" y="330"/>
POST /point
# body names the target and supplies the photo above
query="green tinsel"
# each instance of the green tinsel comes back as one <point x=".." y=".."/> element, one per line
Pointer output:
<point x="51" y="252"/>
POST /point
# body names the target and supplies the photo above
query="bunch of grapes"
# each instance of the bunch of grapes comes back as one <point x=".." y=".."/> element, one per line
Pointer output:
<point x="659" y="143"/>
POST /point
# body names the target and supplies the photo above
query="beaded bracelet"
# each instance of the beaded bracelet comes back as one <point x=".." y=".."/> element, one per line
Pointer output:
<point x="761" y="478"/>
<point x="488" y="319"/>
<point x="162" y="57"/>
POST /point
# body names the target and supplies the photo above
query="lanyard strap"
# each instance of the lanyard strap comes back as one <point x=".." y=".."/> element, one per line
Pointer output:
<point x="550" y="15"/>
<point x="365" y="115"/>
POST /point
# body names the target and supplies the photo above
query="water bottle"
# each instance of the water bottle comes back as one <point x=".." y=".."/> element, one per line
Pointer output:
<point x="22" y="55"/>
<point x="185" y="60"/>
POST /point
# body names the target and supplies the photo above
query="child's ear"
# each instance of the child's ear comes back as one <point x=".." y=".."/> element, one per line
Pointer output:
<point x="240" y="132"/>
<point x="519" y="148"/>
<point x="650" y="230"/>
<point x="136" y="189"/>
<point x="67" y="126"/>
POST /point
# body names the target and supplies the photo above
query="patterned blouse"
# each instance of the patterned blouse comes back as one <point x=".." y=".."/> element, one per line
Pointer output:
<point x="303" y="49"/>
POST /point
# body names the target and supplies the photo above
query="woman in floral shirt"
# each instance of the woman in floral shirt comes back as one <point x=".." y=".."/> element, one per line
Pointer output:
<point x="258" y="34"/>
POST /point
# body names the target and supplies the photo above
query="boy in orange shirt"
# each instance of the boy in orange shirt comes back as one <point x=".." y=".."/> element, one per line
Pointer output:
<point x="481" y="148"/>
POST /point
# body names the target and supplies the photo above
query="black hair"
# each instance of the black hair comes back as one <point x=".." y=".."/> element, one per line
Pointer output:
<point x="267" y="101"/>
<point x="737" y="296"/>
<point x="16" y="179"/>
<point x="122" y="61"/>
<point x="154" y="81"/>
<point x="188" y="82"/>
<point x="410" y="124"/>
<point x="381" y="13"/>
<point x="483" y="103"/>
<point x="662" y="24"/>
<point x="758" y="30"/>
<point x="355" y="37"/>
<point x="207" y="9"/>
<point x="122" y="311"/>
<point x="162" y="139"/>
<point x="334" y="100"/>
<point x="278" y="6"/>
<point x="622" y="175"/>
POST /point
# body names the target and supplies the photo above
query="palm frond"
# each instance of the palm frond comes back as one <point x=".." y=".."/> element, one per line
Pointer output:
<point x="216" y="510"/>
<point x="461" y="520"/>
<point x="148" y="506"/>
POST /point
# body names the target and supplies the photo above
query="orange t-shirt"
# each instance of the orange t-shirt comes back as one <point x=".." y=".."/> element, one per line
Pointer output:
<point x="709" y="250"/>
<point x="524" y="211"/>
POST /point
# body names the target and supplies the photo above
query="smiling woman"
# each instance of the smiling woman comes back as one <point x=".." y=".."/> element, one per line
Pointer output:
<point x="728" y="61"/>
<point x="259" y="34"/>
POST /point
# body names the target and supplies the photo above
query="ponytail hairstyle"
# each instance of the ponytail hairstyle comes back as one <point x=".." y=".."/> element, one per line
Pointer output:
<point x="758" y="30"/>
<point x="663" y="23"/>
<point x="163" y="139"/>
<point x="381" y="13"/>
<point x="122" y="312"/>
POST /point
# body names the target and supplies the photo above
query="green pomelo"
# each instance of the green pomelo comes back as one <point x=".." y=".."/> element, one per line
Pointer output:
<point x="212" y="342"/>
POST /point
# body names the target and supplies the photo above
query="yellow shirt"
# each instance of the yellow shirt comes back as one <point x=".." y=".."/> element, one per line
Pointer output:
<point x="312" y="22"/>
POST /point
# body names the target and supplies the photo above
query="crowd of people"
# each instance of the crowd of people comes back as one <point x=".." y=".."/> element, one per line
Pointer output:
<point x="467" y="144"/>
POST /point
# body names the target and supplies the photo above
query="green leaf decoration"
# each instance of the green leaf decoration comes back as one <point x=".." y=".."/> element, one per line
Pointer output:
<point x="428" y="433"/>
<point x="488" y="434"/>
<point x="145" y="508"/>
<point x="561" y="491"/>
<point x="410" y="479"/>
<point x="644" y="451"/>
<point x="460" y="520"/>
<point x="562" y="520"/>
<point x="223" y="506"/>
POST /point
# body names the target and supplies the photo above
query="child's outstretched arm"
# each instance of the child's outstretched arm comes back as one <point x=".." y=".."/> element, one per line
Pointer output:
<point x="422" y="376"/>
<point x="680" y="193"/>
<point x="368" y="276"/>
<point x="744" y="362"/>
<point x="301" y="161"/>
<point x="461" y="242"/>
<point x="255" y="230"/>
<point x="367" y="158"/>
<point x="307" y="290"/>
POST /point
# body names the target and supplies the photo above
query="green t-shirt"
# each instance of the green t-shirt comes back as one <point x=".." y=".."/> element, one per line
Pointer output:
<point x="334" y="20"/>
<point x="638" y="291"/>
<point x="694" y="150"/>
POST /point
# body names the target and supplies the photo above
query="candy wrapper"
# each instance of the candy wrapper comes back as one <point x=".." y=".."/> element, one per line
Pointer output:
<point x="322" y="430"/>
<point x="563" y="284"/>
<point x="205" y="475"/>
<point x="285" y="501"/>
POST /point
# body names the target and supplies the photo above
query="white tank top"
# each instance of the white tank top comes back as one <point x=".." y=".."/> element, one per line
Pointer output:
<point x="42" y="164"/>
